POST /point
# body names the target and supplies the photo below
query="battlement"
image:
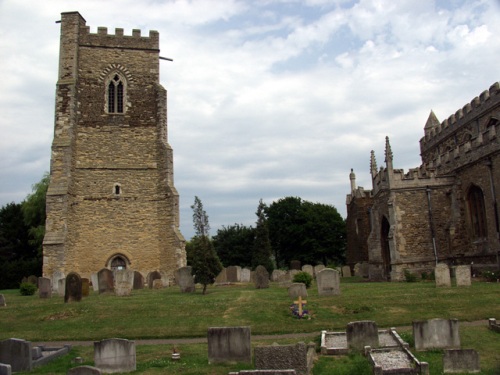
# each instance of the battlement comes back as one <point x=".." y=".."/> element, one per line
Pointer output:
<point x="359" y="193"/>
<point x="436" y="133"/>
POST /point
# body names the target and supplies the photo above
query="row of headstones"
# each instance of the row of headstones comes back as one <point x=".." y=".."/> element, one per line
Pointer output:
<point x="327" y="281"/>
<point x="443" y="276"/>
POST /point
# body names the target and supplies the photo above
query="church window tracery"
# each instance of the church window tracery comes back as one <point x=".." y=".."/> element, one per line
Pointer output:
<point x="115" y="94"/>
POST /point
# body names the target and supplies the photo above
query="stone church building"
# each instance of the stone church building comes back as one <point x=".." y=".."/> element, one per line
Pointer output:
<point x="111" y="201"/>
<point x="445" y="210"/>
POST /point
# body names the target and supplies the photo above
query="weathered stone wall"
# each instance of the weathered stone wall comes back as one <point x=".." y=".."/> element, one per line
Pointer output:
<point x="95" y="153"/>
<point x="358" y="227"/>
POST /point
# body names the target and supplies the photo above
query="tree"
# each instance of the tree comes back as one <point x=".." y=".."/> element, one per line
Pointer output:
<point x="309" y="232"/>
<point x="262" y="250"/>
<point x="204" y="261"/>
<point x="234" y="245"/>
<point x="34" y="212"/>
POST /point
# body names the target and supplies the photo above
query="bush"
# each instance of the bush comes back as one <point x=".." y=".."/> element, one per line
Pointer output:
<point x="27" y="289"/>
<point x="410" y="277"/>
<point x="491" y="276"/>
<point x="303" y="277"/>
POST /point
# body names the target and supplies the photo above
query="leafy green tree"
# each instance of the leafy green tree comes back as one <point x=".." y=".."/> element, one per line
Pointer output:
<point x="34" y="212"/>
<point x="204" y="261"/>
<point x="234" y="245"/>
<point x="309" y="232"/>
<point x="262" y="251"/>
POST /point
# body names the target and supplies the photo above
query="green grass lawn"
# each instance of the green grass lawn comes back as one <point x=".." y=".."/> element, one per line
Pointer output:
<point x="167" y="313"/>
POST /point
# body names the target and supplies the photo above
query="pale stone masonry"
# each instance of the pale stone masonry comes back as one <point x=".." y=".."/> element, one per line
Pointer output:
<point x="111" y="201"/>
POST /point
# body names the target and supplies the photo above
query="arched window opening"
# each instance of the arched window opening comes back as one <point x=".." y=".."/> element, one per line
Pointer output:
<point x="117" y="190"/>
<point x="115" y="95"/>
<point x="477" y="212"/>
<point x="118" y="263"/>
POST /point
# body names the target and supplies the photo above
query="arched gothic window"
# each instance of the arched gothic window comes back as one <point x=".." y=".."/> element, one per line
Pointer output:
<point x="118" y="263"/>
<point x="115" y="94"/>
<point x="475" y="199"/>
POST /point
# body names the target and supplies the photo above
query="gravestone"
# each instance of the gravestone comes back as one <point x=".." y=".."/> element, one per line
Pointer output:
<point x="138" y="280"/>
<point x="124" y="282"/>
<point x="229" y="344"/>
<point x="436" y="334"/>
<point x="442" y="275"/>
<point x="328" y="281"/>
<point x="17" y="354"/>
<point x="221" y="277"/>
<point x="84" y="370"/>
<point x="95" y="282"/>
<point x="185" y="279"/>
<point x="361" y="334"/>
<point x="115" y="355"/>
<point x="5" y="369"/>
<point x="346" y="271"/>
<point x="261" y="278"/>
<point x="61" y="286"/>
<point x="2" y="301"/>
<point x="105" y="281"/>
<point x="165" y="279"/>
<point x="295" y="265"/>
<point x="56" y="276"/>
<point x="461" y="361"/>
<point x="233" y="274"/>
<point x="33" y="280"/>
<point x="245" y="275"/>
<point x="73" y="290"/>
<point x="155" y="275"/>
<point x="279" y="275"/>
<point x="292" y="273"/>
<point x="463" y="276"/>
<point x="297" y="290"/>
<point x="85" y="287"/>
<point x="309" y="269"/>
<point x="283" y="357"/>
<point x="318" y="268"/>
<point x="264" y="372"/>
<point x="157" y="284"/>
<point x="44" y="287"/>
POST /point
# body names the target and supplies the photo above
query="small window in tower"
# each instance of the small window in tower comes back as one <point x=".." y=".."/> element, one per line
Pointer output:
<point x="117" y="189"/>
<point x="115" y="95"/>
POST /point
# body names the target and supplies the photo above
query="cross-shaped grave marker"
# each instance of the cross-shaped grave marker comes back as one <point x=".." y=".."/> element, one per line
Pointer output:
<point x="300" y="303"/>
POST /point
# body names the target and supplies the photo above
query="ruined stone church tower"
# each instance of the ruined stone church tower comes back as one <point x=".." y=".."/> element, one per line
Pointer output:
<point x="111" y="201"/>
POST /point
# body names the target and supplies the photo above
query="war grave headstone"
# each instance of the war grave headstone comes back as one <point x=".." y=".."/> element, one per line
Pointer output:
<point x="463" y="275"/>
<point x="154" y="275"/>
<point x="461" y="361"/>
<point x="5" y="369"/>
<point x="124" y="282"/>
<point x="56" y="276"/>
<point x="284" y="357"/>
<point x="295" y="265"/>
<point x="95" y="282"/>
<point x="105" y="281"/>
<point x="318" y="268"/>
<point x="309" y="269"/>
<point x="185" y="279"/>
<point x="2" y="301"/>
<point x="297" y="289"/>
<point x="138" y="280"/>
<point x="362" y="333"/>
<point x="17" y="354"/>
<point x="84" y="370"/>
<point x="442" y="275"/>
<point x="85" y="287"/>
<point x="346" y="271"/>
<point x="261" y="278"/>
<point x="44" y="287"/>
<point x="233" y="274"/>
<point x="328" y="281"/>
<point x="436" y="334"/>
<point x="115" y="355"/>
<point x="229" y="344"/>
<point x="245" y="275"/>
<point x="73" y="291"/>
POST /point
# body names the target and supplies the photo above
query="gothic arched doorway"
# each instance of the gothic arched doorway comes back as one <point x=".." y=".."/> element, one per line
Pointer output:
<point x="384" y="245"/>
<point x="118" y="262"/>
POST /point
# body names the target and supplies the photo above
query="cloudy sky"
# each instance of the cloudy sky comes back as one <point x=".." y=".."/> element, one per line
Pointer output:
<point x="266" y="99"/>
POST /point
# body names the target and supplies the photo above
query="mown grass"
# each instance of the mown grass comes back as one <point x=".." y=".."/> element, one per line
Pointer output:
<point x="167" y="313"/>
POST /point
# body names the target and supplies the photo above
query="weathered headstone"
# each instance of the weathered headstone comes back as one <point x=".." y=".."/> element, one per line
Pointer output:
<point x="295" y="265"/>
<point x="95" y="282"/>
<point x="5" y="369"/>
<point x="436" y="334"/>
<point x="297" y="289"/>
<point x="245" y="275"/>
<point x="17" y="354"/>
<point x="165" y="279"/>
<point x="124" y="282"/>
<point x="185" y="279"/>
<point x="44" y="287"/>
<point x="292" y="273"/>
<point x="138" y="280"/>
<point x="463" y="276"/>
<point x="221" y="277"/>
<point x="2" y="301"/>
<point x="85" y="287"/>
<point x="328" y="281"/>
<point x="154" y="275"/>
<point x="115" y="355"/>
<point x="105" y="281"/>
<point x="233" y="274"/>
<point x="84" y="370"/>
<point x="56" y="276"/>
<point x="309" y="269"/>
<point x="442" y="275"/>
<point x="283" y="357"/>
<point x="157" y="284"/>
<point x="278" y="275"/>
<point x="461" y="361"/>
<point x="73" y="291"/>
<point x="318" y="268"/>
<point x="361" y="334"/>
<point x="61" y="286"/>
<point x="229" y="344"/>
<point x="346" y="271"/>
<point x="261" y="278"/>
